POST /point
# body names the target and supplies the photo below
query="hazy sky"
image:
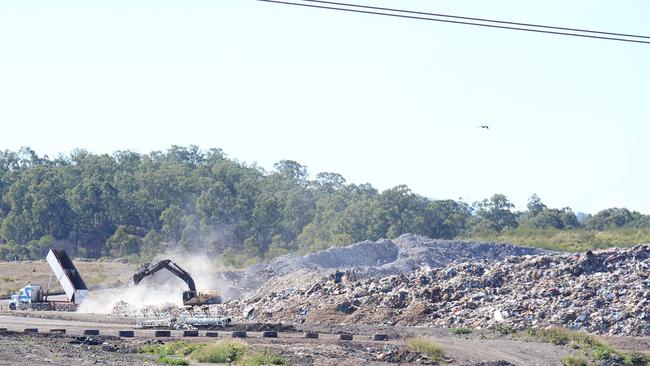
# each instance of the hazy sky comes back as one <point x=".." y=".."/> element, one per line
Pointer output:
<point x="377" y="99"/>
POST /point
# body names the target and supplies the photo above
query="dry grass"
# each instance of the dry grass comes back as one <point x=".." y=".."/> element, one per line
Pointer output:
<point x="430" y="348"/>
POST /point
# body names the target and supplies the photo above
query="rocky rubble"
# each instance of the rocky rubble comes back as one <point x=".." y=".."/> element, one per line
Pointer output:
<point x="170" y="316"/>
<point x="368" y="259"/>
<point x="604" y="292"/>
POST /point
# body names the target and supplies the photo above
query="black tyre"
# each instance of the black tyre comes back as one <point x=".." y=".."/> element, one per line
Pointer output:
<point x="190" y="333"/>
<point x="238" y="334"/>
<point x="12" y="306"/>
<point x="270" y="334"/>
<point x="345" y="337"/>
<point x="162" y="333"/>
<point x="380" y="337"/>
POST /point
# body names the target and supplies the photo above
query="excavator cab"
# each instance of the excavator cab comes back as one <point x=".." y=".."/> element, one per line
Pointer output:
<point x="191" y="298"/>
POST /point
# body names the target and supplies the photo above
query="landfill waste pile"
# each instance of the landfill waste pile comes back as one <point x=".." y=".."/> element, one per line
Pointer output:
<point x="368" y="259"/>
<point x="205" y="316"/>
<point x="602" y="292"/>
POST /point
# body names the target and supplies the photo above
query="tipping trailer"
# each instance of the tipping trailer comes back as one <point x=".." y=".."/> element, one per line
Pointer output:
<point x="33" y="297"/>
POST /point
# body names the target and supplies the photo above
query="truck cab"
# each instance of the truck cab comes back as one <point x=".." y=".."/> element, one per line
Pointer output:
<point x="25" y="296"/>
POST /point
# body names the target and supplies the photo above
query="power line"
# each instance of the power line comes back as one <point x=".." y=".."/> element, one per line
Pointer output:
<point x="464" y="22"/>
<point x="476" y="19"/>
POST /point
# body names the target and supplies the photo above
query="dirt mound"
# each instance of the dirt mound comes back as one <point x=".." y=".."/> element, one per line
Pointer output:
<point x="605" y="292"/>
<point x="373" y="259"/>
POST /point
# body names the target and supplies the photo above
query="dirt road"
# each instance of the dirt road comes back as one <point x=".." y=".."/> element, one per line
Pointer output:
<point x="326" y="350"/>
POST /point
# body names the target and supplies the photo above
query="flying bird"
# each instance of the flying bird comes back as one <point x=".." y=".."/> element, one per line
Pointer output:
<point x="484" y="126"/>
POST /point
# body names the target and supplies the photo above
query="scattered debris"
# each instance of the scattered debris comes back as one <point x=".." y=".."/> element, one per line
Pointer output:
<point x="367" y="259"/>
<point x="414" y="280"/>
<point x="90" y="341"/>
<point x="205" y="316"/>
<point x="603" y="292"/>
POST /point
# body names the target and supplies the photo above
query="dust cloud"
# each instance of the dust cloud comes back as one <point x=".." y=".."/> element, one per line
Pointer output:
<point x="162" y="288"/>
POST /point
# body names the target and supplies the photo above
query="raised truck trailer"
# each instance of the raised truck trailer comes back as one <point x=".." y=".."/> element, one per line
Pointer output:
<point x="33" y="297"/>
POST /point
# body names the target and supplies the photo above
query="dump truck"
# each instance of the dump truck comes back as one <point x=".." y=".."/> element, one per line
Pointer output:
<point x="34" y="297"/>
<point x="191" y="297"/>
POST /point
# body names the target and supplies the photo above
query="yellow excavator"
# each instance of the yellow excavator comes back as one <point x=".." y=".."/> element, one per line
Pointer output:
<point x="191" y="297"/>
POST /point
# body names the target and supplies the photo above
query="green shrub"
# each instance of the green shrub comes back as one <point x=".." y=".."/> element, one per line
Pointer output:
<point x="179" y="348"/>
<point x="574" y="361"/>
<point x="557" y="336"/>
<point x="172" y="361"/>
<point x="602" y="352"/>
<point x="461" y="330"/>
<point x="503" y="329"/>
<point x="636" y="359"/>
<point x="261" y="358"/>
<point x="149" y="348"/>
<point x="599" y="350"/>
<point x="430" y="348"/>
<point x="222" y="351"/>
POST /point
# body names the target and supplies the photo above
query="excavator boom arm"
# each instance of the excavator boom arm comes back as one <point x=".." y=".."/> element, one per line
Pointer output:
<point x="150" y="269"/>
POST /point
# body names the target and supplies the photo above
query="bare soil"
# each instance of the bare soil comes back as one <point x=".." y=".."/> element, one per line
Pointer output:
<point x="46" y="348"/>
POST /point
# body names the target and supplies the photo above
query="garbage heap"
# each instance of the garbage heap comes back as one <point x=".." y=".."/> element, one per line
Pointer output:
<point x="602" y="292"/>
<point x="368" y="259"/>
<point x="168" y="316"/>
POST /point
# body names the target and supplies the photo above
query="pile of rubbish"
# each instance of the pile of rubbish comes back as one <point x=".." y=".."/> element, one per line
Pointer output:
<point x="206" y="316"/>
<point x="368" y="259"/>
<point x="603" y="292"/>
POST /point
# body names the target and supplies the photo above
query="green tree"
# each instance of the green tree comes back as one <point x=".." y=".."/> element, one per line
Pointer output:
<point x="497" y="211"/>
<point x="37" y="207"/>
<point x="191" y="235"/>
<point x="329" y="181"/>
<point x="151" y="245"/>
<point x="291" y="171"/>
<point x="446" y="219"/>
<point x="535" y="205"/>
<point x="172" y="226"/>
<point x="121" y="243"/>
<point x="611" y="218"/>
<point x="548" y="218"/>
<point x="92" y="224"/>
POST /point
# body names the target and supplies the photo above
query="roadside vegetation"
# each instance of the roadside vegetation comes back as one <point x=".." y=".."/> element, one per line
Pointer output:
<point x="136" y="205"/>
<point x="261" y="358"/>
<point x="461" y="331"/>
<point x="228" y="351"/>
<point x="592" y="348"/>
<point x="574" y="361"/>
<point x="172" y="360"/>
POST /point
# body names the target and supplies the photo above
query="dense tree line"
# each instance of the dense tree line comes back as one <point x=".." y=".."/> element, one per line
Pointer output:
<point x="141" y="204"/>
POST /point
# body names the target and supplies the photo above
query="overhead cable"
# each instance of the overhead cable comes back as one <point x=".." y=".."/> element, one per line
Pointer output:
<point x="526" y="27"/>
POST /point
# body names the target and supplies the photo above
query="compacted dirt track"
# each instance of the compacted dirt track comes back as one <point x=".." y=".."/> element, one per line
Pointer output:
<point x="55" y="349"/>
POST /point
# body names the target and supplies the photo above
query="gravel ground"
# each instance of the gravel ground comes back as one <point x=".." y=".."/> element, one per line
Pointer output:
<point x="479" y="346"/>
